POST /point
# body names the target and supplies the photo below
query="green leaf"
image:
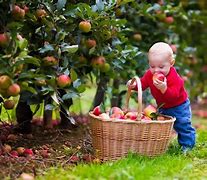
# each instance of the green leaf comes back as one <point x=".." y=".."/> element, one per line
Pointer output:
<point x="30" y="89"/>
<point x="46" y="48"/>
<point x="55" y="98"/>
<point x="32" y="60"/>
<point x="69" y="95"/>
<point x="91" y="51"/>
<point x="70" y="49"/>
<point x="61" y="4"/>
<point x="73" y="75"/>
<point x="22" y="44"/>
<point x="81" y="88"/>
<point x="76" y="83"/>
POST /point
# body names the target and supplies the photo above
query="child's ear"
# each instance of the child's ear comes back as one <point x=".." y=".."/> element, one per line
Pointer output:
<point x="172" y="61"/>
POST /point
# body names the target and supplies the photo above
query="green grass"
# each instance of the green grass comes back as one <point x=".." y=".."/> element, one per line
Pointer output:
<point x="172" y="165"/>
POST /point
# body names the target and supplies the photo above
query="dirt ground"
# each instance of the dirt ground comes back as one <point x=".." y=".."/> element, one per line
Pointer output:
<point x="53" y="147"/>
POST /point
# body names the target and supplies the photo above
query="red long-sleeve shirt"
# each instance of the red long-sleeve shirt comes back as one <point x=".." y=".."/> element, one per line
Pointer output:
<point x="175" y="93"/>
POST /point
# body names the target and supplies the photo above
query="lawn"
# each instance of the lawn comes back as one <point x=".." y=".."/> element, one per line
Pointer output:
<point x="172" y="165"/>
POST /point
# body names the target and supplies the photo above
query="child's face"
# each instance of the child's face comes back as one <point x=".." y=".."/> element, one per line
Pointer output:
<point x="160" y="63"/>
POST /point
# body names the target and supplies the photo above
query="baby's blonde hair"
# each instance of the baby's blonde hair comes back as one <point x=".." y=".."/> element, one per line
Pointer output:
<point x="161" y="48"/>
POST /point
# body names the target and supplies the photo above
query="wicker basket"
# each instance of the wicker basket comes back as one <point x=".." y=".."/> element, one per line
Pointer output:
<point x="114" y="138"/>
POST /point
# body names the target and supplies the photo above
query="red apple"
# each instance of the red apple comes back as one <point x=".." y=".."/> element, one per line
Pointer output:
<point x="85" y="26"/>
<point x="131" y="115"/>
<point x="97" y="110"/>
<point x="13" y="90"/>
<point x="158" y="76"/>
<point x="149" y="110"/>
<point x="74" y="159"/>
<point x="169" y="20"/>
<point x="44" y="153"/>
<point x="14" y="153"/>
<point x="104" y="116"/>
<point x="50" y="61"/>
<point x="6" y="148"/>
<point x="17" y="12"/>
<point x="117" y="116"/>
<point x="116" y="110"/>
<point x="5" y="81"/>
<point x="40" y="13"/>
<point x="9" y="104"/>
<point x="63" y="80"/>
<point x="90" y="43"/>
<point x="98" y="62"/>
<point x="4" y="39"/>
<point x="26" y="8"/>
<point x="28" y="152"/>
<point x="20" y="150"/>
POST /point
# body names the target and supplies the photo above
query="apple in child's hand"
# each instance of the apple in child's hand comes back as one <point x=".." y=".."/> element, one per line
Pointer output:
<point x="149" y="110"/>
<point x="158" y="76"/>
<point x="131" y="115"/>
<point x="104" y="116"/>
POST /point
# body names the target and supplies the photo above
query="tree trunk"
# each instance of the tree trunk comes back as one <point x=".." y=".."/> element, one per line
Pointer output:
<point x="115" y="94"/>
<point x="65" y="119"/>
<point x="24" y="116"/>
<point x="100" y="93"/>
<point x="47" y="115"/>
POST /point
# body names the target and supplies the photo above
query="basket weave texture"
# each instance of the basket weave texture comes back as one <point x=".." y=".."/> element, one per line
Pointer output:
<point x="114" y="138"/>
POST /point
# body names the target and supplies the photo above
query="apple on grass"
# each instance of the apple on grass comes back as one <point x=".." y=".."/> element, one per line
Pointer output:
<point x="28" y="152"/>
<point x="20" y="150"/>
<point x="14" y="153"/>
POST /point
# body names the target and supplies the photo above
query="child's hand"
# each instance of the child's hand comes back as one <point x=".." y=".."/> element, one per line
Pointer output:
<point x="161" y="85"/>
<point x="131" y="86"/>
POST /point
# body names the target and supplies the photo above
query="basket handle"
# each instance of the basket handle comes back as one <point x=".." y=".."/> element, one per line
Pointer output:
<point x="139" y="85"/>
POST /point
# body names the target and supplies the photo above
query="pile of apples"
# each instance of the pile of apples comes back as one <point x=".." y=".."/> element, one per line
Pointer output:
<point x="19" y="151"/>
<point x="149" y="113"/>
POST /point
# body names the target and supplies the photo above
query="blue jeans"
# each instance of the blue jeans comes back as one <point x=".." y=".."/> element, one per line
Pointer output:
<point x="183" y="127"/>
